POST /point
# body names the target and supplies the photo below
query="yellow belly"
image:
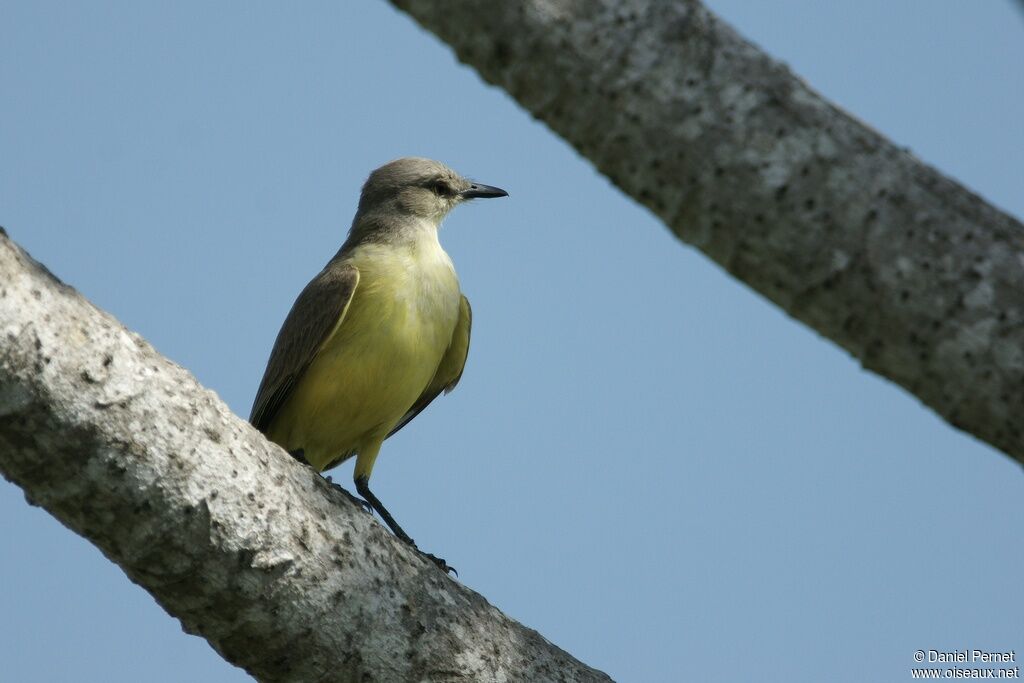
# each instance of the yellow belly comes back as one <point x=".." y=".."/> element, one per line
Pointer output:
<point x="377" y="363"/>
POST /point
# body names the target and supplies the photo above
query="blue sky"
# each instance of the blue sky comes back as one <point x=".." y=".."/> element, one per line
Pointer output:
<point x="658" y="470"/>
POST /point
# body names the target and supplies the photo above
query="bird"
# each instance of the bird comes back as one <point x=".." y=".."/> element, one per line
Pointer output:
<point x="377" y="334"/>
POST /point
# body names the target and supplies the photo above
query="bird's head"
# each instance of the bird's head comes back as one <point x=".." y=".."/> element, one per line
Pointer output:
<point x="422" y="188"/>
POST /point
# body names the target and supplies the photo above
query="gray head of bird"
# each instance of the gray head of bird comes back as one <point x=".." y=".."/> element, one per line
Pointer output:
<point x="420" y="188"/>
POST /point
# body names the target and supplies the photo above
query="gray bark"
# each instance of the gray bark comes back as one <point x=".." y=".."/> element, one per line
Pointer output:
<point x="915" y="276"/>
<point x="282" y="574"/>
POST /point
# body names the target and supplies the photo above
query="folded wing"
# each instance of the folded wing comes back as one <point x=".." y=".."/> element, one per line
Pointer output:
<point x="315" y="316"/>
<point x="449" y="371"/>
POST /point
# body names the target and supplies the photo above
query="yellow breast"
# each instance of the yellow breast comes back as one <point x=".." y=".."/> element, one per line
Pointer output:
<point x="380" y="358"/>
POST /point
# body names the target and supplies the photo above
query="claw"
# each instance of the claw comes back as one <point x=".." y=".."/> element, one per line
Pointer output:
<point x="441" y="564"/>
<point x="354" y="499"/>
<point x="371" y="502"/>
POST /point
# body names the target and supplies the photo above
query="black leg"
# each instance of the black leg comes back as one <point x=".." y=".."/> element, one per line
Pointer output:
<point x="363" y="487"/>
<point x="301" y="457"/>
<point x="355" y="499"/>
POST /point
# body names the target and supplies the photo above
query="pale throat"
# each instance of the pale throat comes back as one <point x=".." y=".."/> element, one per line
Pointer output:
<point x="426" y="247"/>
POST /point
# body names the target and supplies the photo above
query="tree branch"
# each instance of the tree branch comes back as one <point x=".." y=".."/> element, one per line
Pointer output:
<point x="917" y="277"/>
<point x="250" y="550"/>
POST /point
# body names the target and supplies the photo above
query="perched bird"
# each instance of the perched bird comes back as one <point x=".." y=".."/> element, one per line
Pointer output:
<point x="378" y="333"/>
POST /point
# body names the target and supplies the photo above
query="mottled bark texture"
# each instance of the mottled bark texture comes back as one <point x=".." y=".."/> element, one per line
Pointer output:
<point x="283" y="575"/>
<point x="914" y="275"/>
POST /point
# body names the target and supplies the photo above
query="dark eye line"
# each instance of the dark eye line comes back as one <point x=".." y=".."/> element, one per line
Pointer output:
<point x="442" y="188"/>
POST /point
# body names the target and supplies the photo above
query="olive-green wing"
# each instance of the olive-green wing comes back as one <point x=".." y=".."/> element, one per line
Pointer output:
<point x="449" y="372"/>
<point x="315" y="315"/>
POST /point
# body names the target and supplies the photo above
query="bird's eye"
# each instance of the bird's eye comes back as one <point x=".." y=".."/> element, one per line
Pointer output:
<point x="442" y="188"/>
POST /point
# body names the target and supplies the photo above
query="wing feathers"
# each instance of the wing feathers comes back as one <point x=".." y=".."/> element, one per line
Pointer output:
<point x="315" y="316"/>
<point x="449" y="371"/>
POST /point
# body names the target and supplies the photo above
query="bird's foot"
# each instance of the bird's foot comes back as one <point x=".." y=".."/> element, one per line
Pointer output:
<point x="441" y="564"/>
<point x="355" y="499"/>
<point x="363" y="487"/>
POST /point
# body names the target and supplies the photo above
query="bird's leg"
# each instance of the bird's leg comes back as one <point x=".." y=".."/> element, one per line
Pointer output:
<point x="363" y="487"/>
<point x="364" y="505"/>
<point x="300" y="455"/>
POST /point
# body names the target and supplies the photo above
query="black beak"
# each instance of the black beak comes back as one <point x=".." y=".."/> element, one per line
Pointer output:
<point x="480" y="191"/>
